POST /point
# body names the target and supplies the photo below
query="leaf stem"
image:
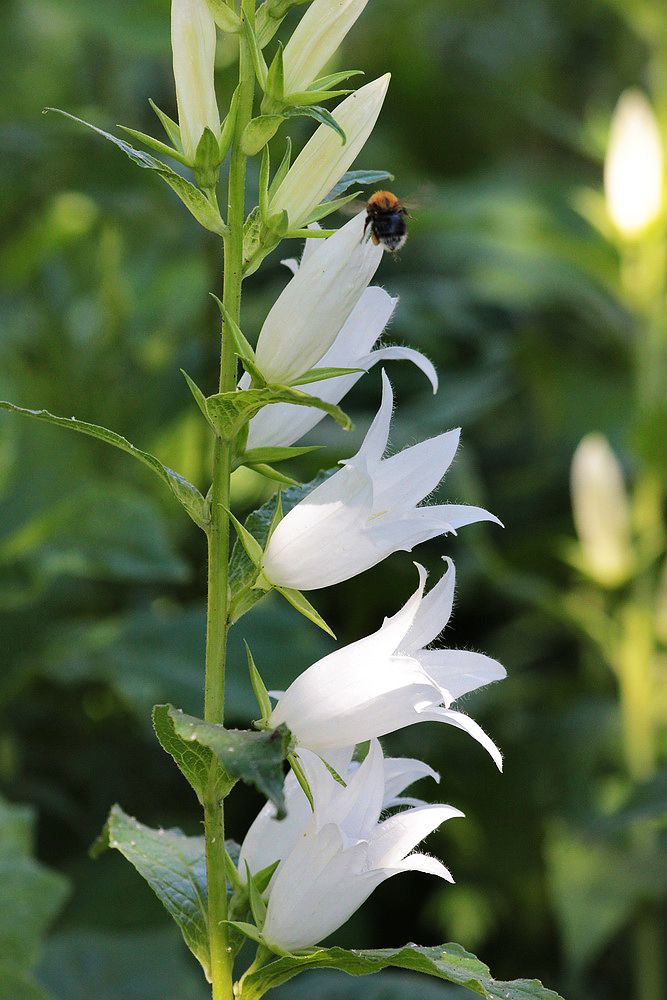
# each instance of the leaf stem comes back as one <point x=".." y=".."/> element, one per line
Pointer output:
<point x="218" y="535"/>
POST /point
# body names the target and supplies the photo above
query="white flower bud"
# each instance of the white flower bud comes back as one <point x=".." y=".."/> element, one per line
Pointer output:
<point x="193" y="45"/>
<point x="317" y="37"/>
<point x="633" y="170"/>
<point x="324" y="159"/>
<point x="601" y="511"/>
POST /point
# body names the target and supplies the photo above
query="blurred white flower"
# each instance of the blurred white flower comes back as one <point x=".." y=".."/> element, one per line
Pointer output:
<point x="344" y="853"/>
<point x="193" y="45"/>
<point x="324" y="159"/>
<point x="308" y="315"/>
<point x="366" y="510"/>
<point x="316" y="39"/>
<point x="601" y="511"/>
<point x="389" y="680"/>
<point x="270" y="839"/>
<point x="280" y="424"/>
<point x="633" y="170"/>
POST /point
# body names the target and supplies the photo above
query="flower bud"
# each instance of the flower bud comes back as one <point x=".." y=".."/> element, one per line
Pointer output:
<point x="316" y="39"/>
<point x="324" y="159"/>
<point x="601" y="511"/>
<point x="633" y="170"/>
<point x="193" y="44"/>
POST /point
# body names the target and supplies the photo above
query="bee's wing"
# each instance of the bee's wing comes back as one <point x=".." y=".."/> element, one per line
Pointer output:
<point x="353" y="207"/>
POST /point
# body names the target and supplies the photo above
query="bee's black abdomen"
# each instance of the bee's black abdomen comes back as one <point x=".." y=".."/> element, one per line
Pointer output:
<point x="391" y="229"/>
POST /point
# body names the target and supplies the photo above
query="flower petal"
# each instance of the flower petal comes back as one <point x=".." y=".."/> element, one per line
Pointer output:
<point x="407" y="477"/>
<point x="468" y="725"/>
<point x="393" y="839"/>
<point x="400" y="773"/>
<point x="398" y="353"/>
<point x="377" y="437"/>
<point x="459" y="515"/>
<point x="434" y="612"/>
<point x="459" y="671"/>
<point x="425" y="863"/>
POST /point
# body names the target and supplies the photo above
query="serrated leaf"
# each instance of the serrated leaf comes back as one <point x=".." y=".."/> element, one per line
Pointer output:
<point x="320" y="374"/>
<point x="197" y="763"/>
<point x="174" y="866"/>
<point x="360" y="177"/>
<point x="254" y="757"/>
<point x="257" y="132"/>
<point x="230" y="411"/>
<point x="275" y="454"/>
<point x="449" y="962"/>
<point x="321" y="115"/>
<point x="193" y="199"/>
<point x="242" y="573"/>
<point x="187" y="494"/>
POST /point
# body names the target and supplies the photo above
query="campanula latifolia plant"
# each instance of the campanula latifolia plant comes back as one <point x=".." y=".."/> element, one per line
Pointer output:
<point x="337" y="824"/>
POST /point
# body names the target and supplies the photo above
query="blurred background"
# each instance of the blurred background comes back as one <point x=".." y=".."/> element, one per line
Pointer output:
<point x="542" y="306"/>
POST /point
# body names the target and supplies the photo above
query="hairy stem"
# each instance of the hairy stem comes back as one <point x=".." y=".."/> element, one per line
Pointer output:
<point x="218" y="539"/>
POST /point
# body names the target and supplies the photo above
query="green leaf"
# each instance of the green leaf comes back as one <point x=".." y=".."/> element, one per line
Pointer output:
<point x="321" y="115"/>
<point x="258" y="61"/>
<point x="449" y="962"/>
<point x="197" y="763"/>
<point x="328" y="207"/>
<point x="230" y="411"/>
<point x="156" y="144"/>
<point x="257" y="132"/>
<point x="187" y="494"/>
<point x="262" y="469"/>
<point x="253" y="549"/>
<point x="256" y="455"/>
<point x="207" y="160"/>
<point x="329" y="81"/>
<point x="281" y="172"/>
<point x="242" y="347"/>
<point x="229" y="124"/>
<point x="358" y="177"/>
<point x="275" y="80"/>
<point x="249" y="931"/>
<point x="242" y="573"/>
<point x="254" y="757"/>
<point x="305" y="608"/>
<point x="17" y="984"/>
<point x="304" y="98"/>
<point x="264" y="175"/>
<point x="258" y="685"/>
<point x="174" y="867"/>
<point x="194" y="200"/>
<point x="197" y="394"/>
<point x="169" y="125"/>
<point x="225" y="18"/>
<point x="320" y="374"/>
<point x="257" y="904"/>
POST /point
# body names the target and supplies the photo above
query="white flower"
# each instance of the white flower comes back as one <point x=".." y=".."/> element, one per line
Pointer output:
<point x="601" y="511"/>
<point x="193" y="45"/>
<point x="307" y="317"/>
<point x="366" y="511"/>
<point x="316" y="38"/>
<point x="270" y="839"/>
<point x="633" y="169"/>
<point x="324" y="159"/>
<point x="389" y="680"/>
<point x="280" y="424"/>
<point x="344" y="853"/>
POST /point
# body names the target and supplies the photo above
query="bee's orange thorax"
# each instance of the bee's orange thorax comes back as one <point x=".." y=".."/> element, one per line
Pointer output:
<point x="384" y="200"/>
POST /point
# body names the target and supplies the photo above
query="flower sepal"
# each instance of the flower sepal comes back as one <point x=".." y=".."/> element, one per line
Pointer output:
<point x="207" y="161"/>
<point x="224" y="16"/>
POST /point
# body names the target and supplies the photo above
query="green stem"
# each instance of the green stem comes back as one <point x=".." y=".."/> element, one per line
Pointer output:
<point x="218" y="539"/>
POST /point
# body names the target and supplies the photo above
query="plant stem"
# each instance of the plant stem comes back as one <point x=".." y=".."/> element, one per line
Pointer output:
<point x="218" y="538"/>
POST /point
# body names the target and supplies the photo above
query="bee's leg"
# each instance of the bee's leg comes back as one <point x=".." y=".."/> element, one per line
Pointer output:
<point x="366" y="235"/>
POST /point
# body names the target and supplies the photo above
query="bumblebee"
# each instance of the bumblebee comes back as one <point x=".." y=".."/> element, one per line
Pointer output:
<point x="385" y="217"/>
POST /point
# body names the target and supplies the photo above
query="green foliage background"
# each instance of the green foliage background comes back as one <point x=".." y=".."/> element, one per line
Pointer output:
<point x="496" y="117"/>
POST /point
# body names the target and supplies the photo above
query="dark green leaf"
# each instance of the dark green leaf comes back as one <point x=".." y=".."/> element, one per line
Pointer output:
<point x="175" y="868"/>
<point x="255" y="758"/>
<point x="274" y="455"/>
<point x="187" y="494"/>
<point x="358" y="177"/>
<point x="196" y="762"/>
<point x="449" y="962"/>
<point x="230" y="411"/>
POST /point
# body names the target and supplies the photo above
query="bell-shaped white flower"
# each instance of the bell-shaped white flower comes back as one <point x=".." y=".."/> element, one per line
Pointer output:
<point x="307" y="316"/>
<point x="280" y="424"/>
<point x="316" y="39"/>
<point x="366" y="510"/>
<point x="601" y="511"/>
<point x="633" y="169"/>
<point x="270" y="839"/>
<point x="324" y="159"/>
<point x="193" y="46"/>
<point x="389" y="680"/>
<point x="344" y="853"/>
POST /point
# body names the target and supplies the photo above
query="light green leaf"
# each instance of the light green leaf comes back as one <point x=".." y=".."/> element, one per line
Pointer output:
<point x="207" y="160"/>
<point x="329" y="81"/>
<point x="257" y="132"/>
<point x="304" y="98"/>
<point x="242" y="347"/>
<point x="174" y="867"/>
<point x="358" y="177"/>
<point x="194" y="200"/>
<point x="262" y="469"/>
<point x="230" y="411"/>
<point x="321" y="116"/>
<point x="169" y="125"/>
<point x="449" y="962"/>
<point x="326" y="208"/>
<point x="320" y="374"/>
<point x="225" y="18"/>
<point x="256" y="455"/>
<point x="258" y="685"/>
<point x="305" y="608"/>
<point x="187" y="494"/>
<point x="229" y="124"/>
<point x="197" y="394"/>
<point x="17" y="984"/>
<point x="252" y="547"/>
<point x="258" y="61"/>
<point x="254" y="757"/>
<point x="275" y="80"/>
<point x="197" y="763"/>
<point x="156" y="144"/>
<point x="281" y="172"/>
